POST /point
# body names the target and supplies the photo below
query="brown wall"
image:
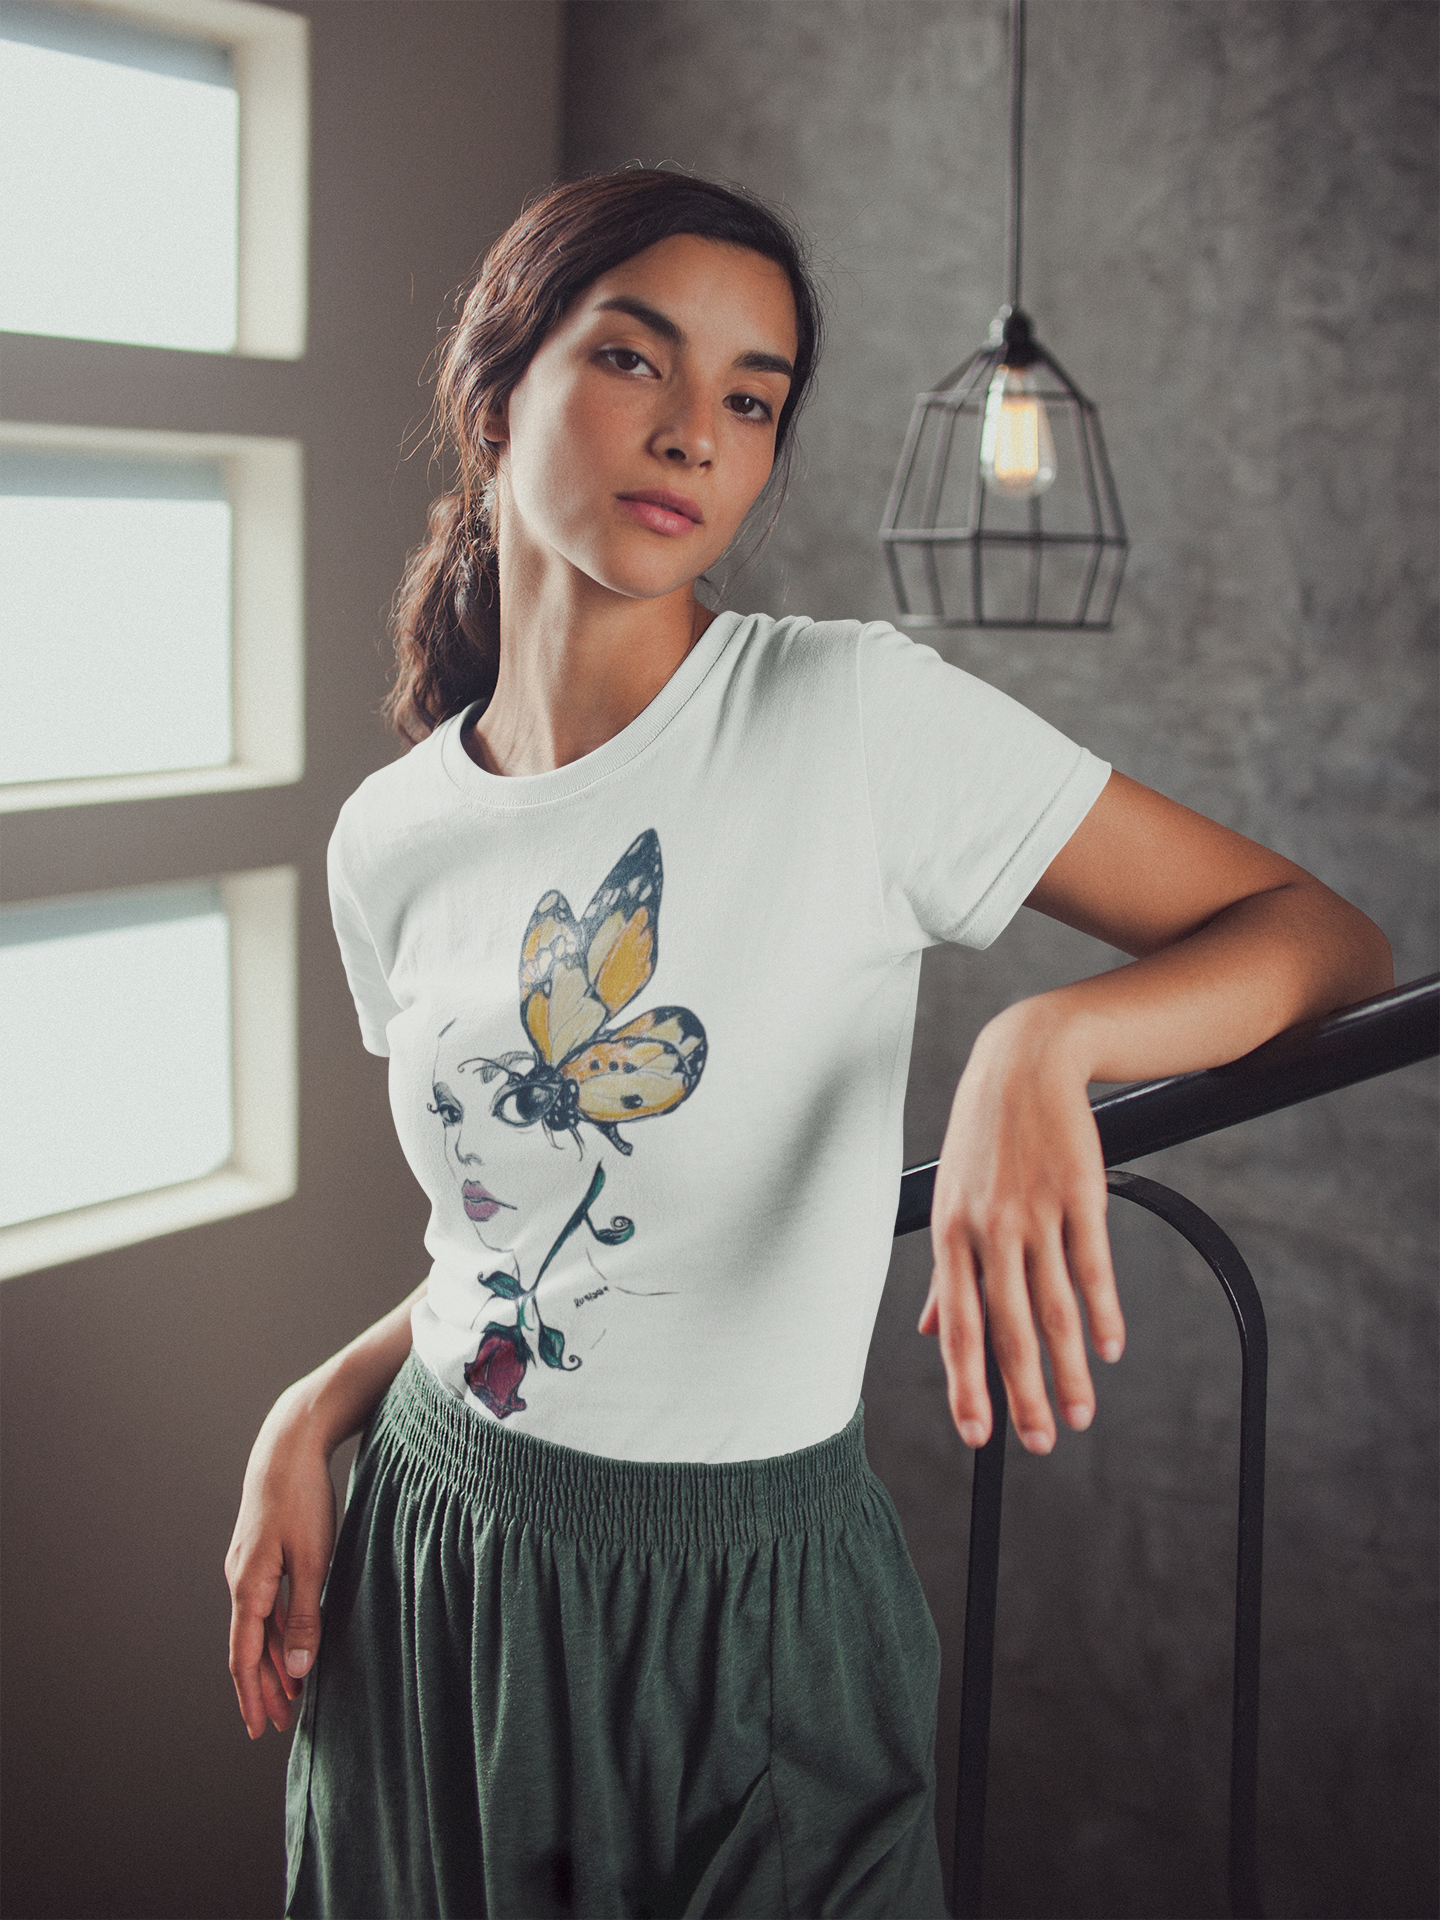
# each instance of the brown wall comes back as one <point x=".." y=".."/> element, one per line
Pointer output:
<point x="134" y="1382"/>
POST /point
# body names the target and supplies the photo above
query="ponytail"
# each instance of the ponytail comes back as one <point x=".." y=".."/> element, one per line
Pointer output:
<point x="446" y="621"/>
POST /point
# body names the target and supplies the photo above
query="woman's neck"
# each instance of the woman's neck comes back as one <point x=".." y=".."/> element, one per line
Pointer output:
<point x="577" y="664"/>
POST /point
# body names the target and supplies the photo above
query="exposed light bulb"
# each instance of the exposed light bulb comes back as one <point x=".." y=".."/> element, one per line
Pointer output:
<point x="1017" y="453"/>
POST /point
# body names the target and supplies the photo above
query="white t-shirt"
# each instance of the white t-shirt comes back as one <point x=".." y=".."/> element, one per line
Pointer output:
<point x="649" y="1019"/>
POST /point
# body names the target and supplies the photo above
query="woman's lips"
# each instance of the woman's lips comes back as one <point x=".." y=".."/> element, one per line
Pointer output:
<point x="479" y="1204"/>
<point x="663" y="511"/>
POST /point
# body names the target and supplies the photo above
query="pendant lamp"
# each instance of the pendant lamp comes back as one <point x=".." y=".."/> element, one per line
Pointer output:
<point x="1003" y="510"/>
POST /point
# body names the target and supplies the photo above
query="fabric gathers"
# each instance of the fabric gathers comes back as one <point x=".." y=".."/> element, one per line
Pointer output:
<point x="554" y="1684"/>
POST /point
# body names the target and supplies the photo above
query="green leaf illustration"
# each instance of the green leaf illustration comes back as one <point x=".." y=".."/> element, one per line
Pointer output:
<point x="505" y="1284"/>
<point x="552" y="1347"/>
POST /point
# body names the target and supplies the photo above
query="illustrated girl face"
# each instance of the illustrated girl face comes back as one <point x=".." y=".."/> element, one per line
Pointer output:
<point x="511" y="1172"/>
<point x="643" y="429"/>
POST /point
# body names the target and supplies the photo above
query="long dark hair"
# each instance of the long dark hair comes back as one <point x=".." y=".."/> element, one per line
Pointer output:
<point x="446" y="618"/>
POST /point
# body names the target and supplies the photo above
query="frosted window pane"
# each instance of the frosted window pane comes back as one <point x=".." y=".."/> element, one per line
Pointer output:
<point x="120" y="195"/>
<point x="114" y="1048"/>
<point x="131" y="596"/>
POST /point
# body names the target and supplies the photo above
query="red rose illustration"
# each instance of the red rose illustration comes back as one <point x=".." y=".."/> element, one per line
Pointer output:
<point x="497" y="1370"/>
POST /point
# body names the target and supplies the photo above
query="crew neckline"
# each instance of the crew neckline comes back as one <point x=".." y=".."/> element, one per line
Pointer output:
<point x="510" y="790"/>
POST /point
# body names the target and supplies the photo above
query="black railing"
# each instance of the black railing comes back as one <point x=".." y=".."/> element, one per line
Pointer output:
<point x="1393" y="1030"/>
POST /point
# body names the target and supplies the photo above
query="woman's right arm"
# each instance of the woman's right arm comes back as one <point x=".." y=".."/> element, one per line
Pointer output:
<point x="286" y="1524"/>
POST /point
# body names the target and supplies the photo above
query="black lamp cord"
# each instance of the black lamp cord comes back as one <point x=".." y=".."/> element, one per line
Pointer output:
<point x="1017" y="143"/>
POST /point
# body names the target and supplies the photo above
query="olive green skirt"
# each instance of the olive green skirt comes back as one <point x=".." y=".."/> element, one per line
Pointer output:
<point x="552" y="1683"/>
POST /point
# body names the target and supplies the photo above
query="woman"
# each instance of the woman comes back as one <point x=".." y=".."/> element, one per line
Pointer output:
<point x="623" y="1624"/>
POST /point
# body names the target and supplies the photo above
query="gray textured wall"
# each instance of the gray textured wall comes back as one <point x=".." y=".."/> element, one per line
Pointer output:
<point x="1231" y="244"/>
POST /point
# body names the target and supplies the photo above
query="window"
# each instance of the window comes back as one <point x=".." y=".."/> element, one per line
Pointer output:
<point x="121" y="147"/>
<point x="124" y="567"/>
<point x="153" y="194"/>
<point x="155" y="178"/>
<point x="148" y="1048"/>
<point x="166" y="570"/>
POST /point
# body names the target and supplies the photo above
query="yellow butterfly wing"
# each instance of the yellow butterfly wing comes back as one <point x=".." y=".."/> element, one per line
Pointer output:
<point x="620" y="934"/>
<point x="558" y="1008"/>
<point x="648" y="1066"/>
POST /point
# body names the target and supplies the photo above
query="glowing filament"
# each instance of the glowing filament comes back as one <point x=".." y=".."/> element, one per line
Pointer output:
<point x="1017" y="453"/>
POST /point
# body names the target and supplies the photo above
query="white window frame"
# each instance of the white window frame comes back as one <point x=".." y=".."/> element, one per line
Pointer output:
<point x="270" y="55"/>
<point x="262" y="1168"/>
<point x="269" y="49"/>
<point x="264" y="482"/>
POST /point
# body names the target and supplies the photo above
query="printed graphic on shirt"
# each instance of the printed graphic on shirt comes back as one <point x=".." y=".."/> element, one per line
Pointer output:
<point x="574" y="978"/>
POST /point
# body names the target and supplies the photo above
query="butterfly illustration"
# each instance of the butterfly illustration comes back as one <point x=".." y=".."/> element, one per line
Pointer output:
<point x="574" y="977"/>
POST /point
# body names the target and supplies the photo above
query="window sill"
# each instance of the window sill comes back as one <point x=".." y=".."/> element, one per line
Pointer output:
<point x="26" y="796"/>
<point x="35" y="1244"/>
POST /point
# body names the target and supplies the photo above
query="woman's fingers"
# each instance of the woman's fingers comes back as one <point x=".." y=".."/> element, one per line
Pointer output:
<point x="1012" y="1335"/>
<point x="1019" y="1226"/>
<point x="273" y="1684"/>
<point x="300" y="1624"/>
<point x="1087" y="1253"/>
<point x="953" y="1312"/>
<point x="251" y="1599"/>
<point x="1031" y="1296"/>
<point x="1057" y="1316"/>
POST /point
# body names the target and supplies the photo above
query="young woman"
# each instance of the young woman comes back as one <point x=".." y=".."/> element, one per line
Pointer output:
<point x="619" y="1622"/>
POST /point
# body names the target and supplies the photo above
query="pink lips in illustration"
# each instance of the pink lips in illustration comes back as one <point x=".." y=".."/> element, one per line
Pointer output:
<point x="480" y="1204"/>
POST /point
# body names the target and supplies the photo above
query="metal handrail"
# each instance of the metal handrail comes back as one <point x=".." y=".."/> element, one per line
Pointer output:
<point x="1392" y="1030"/>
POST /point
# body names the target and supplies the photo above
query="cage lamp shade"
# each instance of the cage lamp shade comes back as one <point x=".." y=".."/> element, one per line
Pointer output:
<point x="1003" y="510"/>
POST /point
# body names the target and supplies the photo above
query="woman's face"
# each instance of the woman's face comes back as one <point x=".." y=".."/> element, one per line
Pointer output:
<point x="644" y="428"/>
<point x="512" y="1180"/>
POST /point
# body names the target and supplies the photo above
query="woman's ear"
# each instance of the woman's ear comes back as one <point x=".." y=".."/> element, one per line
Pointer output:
<point x="495" y="427"/>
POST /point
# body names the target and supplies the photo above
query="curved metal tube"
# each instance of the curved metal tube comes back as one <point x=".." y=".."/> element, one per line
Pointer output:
<point x="1221" y="1255"/>
<point x="978" y="1658"/>
<point x="1395" y="1029"/>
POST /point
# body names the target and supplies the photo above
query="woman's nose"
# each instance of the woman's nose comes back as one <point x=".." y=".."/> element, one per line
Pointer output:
<point x="686" y="437"/>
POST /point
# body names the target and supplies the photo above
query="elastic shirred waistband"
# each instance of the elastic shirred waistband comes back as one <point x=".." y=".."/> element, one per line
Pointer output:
<point x="651" y="1503"/>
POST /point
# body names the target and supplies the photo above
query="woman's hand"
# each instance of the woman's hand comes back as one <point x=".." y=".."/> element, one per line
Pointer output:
<point x="1018" y="1230"/>
<point x="286" y="1524"/>
<point x="285" y="1528"/>
<point x="1234" y="944"/>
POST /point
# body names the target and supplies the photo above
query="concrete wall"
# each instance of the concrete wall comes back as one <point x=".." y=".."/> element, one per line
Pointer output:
<point x="1231" y="245"/>
<point x="134" y="1383"/>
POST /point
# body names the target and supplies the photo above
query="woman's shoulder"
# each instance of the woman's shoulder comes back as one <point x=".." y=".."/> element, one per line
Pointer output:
<point x="796" y="644"/>
<point x="392" y="802"/>
<point x="869" y="666"/>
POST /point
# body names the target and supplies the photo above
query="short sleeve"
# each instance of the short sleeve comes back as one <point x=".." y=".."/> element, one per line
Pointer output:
<point x="971" y="795"/>
<point x="374" y="1002"/>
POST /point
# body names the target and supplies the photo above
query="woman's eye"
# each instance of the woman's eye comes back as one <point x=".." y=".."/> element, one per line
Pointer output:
<point x="449" y="1115"/>
<point x="749" y="406"/>
<point x="626" y="360"/>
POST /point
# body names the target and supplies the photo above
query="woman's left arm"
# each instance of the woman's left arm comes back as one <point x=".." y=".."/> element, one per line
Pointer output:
<point x="1232" y="944"/>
